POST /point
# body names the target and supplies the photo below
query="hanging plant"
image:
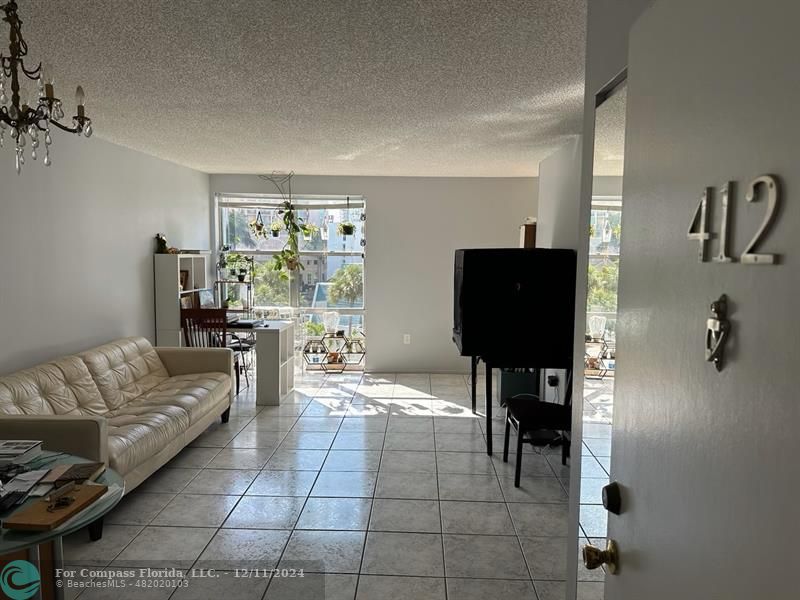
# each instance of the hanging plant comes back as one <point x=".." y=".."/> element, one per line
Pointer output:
<point x="346" y="228"/>
<point x="275" y="228"/>
<point x="309" y="231"/>
<point x="257" y="227"/>
<point x="288" y="259"/>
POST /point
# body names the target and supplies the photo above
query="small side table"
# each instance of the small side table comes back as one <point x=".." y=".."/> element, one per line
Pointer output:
<point x="44" y="548"/>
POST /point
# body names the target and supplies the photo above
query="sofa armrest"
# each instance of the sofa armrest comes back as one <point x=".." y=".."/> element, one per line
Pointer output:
<point x="184" y="361"/>
<point x="81" y="435"/>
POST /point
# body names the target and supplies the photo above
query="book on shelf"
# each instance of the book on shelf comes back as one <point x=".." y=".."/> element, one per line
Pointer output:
<point x="19" y="451"/>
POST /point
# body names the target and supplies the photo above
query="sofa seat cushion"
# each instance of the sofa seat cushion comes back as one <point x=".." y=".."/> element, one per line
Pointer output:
<point x="196" y="393"/>
<point x="60" y="387"/>
<point x="124" y="370"/>
<point x="136" y="432"/>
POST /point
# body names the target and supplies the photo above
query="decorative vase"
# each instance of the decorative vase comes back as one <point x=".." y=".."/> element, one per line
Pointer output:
<point x="331" y="320"/>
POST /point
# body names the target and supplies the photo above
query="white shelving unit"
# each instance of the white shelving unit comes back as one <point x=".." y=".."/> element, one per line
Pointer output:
<point x="274" y="362"/>
<point x="167" y="271"/>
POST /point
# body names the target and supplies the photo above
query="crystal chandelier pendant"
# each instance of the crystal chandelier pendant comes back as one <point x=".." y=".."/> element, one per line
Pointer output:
<point x="23" y="118"/>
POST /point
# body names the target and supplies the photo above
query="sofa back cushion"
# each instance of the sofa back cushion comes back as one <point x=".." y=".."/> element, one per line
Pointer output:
<point x="124" y="370"/>
<point x="60" y="387"/>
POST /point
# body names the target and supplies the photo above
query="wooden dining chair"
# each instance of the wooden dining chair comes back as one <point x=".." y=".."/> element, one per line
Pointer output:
<point x="208" y="328"/>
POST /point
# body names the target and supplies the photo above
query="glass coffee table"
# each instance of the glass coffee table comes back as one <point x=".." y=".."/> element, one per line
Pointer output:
<point x="44" y="548"/>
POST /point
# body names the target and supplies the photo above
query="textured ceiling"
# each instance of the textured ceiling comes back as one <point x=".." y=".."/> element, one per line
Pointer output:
<point x="357" y="87"/>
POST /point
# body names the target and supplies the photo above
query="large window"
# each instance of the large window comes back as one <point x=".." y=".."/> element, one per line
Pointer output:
<point x="604" y="237"/>
<point x="332" y="277"/>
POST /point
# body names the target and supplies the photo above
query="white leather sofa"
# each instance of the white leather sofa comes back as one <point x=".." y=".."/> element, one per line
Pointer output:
<point x="125" y="403"/>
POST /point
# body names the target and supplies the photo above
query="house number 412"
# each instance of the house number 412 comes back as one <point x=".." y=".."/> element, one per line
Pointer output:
<point x="698" y="228"/>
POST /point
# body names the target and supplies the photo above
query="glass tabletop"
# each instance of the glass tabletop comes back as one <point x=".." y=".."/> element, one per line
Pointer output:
<point x="13" y="540"/>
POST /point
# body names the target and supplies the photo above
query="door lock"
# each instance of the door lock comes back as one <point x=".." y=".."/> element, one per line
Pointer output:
<point x="717" y="331"/>
<point x="594" y="558"/>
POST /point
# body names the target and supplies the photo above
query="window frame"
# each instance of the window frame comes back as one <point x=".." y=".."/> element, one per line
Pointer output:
<point x="265" y="202"/>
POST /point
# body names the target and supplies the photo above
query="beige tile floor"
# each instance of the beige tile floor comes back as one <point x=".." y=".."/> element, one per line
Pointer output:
<point x="377" y="486"/>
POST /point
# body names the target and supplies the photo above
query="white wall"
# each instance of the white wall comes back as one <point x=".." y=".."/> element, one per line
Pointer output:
<point x="76" y="241"/>
<point x="608" y="26"/>
<point x="607" y="185"/>
<point x="409" y="273"/>
<point x="559" y="195"/>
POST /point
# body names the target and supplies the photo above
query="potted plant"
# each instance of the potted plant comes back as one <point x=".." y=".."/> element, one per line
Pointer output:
<point x="288" y="259"/>
<point x="346" y="228"/>
<point x="242" y="275"/>
<point x="257" y="226"/>
<point x="232" y="263"/>
<point x="309" y="231"/>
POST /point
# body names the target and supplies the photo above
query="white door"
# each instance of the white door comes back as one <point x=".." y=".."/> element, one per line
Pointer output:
<point x="709" y="461"/>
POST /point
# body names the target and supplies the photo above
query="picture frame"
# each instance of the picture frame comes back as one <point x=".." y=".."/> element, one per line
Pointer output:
<point x="183" y="278"/>
<point x="187" y="301"/>
<point x="205" y="299"/>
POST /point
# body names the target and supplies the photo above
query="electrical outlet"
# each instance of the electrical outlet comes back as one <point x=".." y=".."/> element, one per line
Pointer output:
<point x="406" y="338"/>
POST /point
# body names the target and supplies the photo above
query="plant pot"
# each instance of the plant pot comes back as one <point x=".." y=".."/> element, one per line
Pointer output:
<point x="233" y="272"/>
<point x="275" y="233"/>
<point x="241" y="277"/>
<point x="348" y="229"/>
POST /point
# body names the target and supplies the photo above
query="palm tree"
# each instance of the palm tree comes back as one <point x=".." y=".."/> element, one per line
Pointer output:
<point x="347" y="285"/>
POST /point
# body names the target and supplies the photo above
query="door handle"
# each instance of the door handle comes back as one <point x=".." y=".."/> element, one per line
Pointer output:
<point x="594" y="558"/>
<point x="717" y="331"/>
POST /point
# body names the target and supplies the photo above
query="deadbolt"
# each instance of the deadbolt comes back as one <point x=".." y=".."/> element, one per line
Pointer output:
<point x="594" y="558"/>
<point x="612" y="498"/>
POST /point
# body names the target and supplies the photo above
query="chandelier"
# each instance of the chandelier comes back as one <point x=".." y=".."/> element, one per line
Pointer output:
<point x="25" y="119"/>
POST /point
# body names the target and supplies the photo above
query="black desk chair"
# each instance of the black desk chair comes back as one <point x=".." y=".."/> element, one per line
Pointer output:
<point x="243" y="346"/>
<point x="526" y="413"/>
